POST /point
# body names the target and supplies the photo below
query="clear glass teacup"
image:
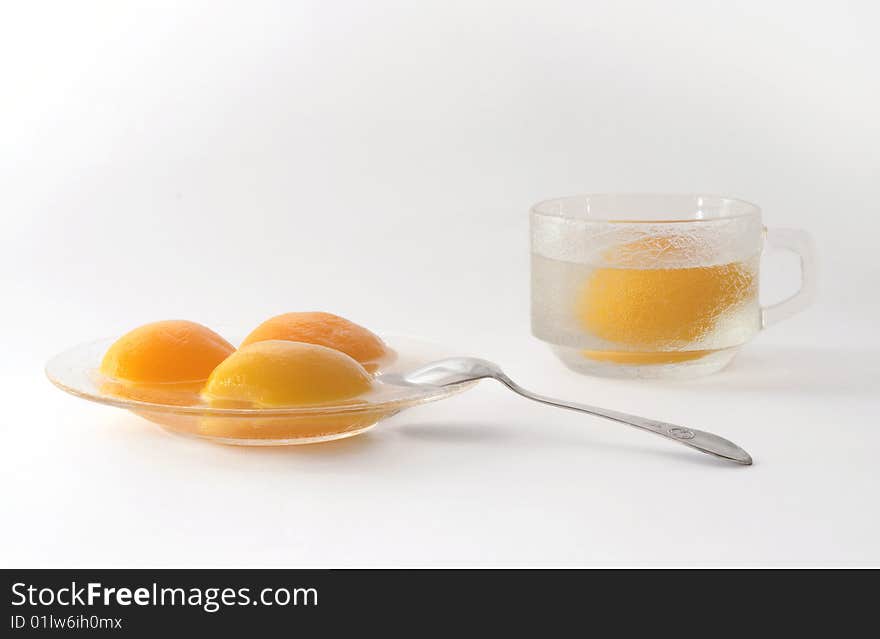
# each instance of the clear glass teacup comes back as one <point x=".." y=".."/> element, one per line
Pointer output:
<point x="654" y="285"/>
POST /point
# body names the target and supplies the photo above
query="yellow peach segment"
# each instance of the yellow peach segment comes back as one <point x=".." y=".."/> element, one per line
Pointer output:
<point x="164" y="362"/>
<point x="652" y="309"/>
<point x="324" y="329"/>
<point x="278" y="373"/>
<point x="169" y="351"/>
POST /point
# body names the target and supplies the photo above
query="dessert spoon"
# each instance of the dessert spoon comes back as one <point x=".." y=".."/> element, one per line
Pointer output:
<point x="458" y="370"/>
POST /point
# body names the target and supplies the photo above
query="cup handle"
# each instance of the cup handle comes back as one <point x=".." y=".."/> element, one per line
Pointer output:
<point x="799" y="242"/>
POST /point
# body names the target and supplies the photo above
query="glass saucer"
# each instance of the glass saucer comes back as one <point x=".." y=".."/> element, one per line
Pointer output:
<point x="76" y="371"/>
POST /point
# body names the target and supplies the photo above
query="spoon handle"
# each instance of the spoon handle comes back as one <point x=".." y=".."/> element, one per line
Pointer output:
<point x="701" y="440"/>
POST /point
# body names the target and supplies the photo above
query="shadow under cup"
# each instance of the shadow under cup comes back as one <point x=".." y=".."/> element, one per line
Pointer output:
<point x="647" y="285"/>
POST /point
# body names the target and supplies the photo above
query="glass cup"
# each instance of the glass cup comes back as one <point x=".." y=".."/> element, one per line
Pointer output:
<point x="654" y="285"/>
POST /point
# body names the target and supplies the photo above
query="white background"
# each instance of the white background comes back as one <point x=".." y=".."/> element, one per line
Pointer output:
<point x="227" y="162"/>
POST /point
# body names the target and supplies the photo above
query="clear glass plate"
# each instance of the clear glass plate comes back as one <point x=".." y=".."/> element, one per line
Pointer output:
<point x="76" y="371"/>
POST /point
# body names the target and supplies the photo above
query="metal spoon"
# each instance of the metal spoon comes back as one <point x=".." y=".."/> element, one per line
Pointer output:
<point x="457" y="370"/>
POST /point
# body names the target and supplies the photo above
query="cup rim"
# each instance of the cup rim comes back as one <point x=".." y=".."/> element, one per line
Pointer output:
<point x="754" y="209"/>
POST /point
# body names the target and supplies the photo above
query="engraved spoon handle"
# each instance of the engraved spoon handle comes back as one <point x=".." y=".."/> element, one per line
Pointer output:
<point x="701" y="440"/>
